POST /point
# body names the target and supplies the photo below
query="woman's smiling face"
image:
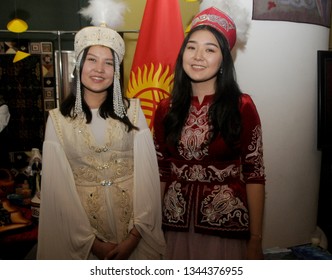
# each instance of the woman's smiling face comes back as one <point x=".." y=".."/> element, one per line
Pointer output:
<point x="202" y="57"/>
<point x="98" y="69"/>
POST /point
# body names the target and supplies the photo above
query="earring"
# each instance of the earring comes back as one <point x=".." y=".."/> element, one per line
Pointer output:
<point x="220" y="70"/>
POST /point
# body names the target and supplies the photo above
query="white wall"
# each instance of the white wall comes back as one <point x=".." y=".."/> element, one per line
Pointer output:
<point x="278" y="68"/>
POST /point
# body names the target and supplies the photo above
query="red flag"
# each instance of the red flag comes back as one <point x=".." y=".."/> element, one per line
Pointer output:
<point x="159" y="41"/>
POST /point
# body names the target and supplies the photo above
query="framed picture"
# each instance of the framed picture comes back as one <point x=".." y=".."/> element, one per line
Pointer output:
<point x="35" y="47"/>
<point x="303" y="11"/>
<point x="47" y="47"/>
<point x="49" y="105"/>
<point x="324" y="137"/>
<point x="48" y="93"/>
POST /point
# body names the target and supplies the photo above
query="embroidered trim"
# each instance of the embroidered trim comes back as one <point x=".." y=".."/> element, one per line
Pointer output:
<point x="118" y="169"/>
<point x="136" y="104"/>
<point x="56" y="122"/>
<point x="174" y="204"/>
<point x="125" y="210"/>
<point x="195" y="134"/>
<point x="204" y="174"/>
<point x="256" y="155"/>
<point x="100" y="170"/>
<point x="92" y="209"/>
<point x="221" y="207"/>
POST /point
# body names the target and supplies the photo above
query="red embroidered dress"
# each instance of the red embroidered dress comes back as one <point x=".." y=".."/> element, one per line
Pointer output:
<point x="206" y="183"/>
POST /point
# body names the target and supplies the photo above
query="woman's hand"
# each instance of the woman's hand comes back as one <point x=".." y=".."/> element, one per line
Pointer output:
<point x="124" y="249"/>
<point x="254" y="249"/>
<point x="100" y="249"/>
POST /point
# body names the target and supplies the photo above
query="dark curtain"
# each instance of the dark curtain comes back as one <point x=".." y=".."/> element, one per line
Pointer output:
<point x="22" y="85"/>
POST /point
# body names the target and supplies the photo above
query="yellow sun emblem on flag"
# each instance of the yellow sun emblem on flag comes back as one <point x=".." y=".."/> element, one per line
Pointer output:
<point x="150" y="87"/>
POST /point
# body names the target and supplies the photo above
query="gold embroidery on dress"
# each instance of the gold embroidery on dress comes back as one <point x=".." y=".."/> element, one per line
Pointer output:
<point x="101" y="170"/>
<point x="54" y="114"/>
<point x="117" y="168"/>
<point x="125" y="210"/>
<point x="92" y="208"/>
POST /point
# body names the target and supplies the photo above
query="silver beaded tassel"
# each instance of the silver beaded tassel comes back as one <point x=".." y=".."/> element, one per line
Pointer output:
<point x="78" y="101"/>
<point x="118" y="105"/>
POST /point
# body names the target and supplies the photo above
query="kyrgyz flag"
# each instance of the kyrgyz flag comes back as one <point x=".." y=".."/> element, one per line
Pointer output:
<point x="159" y="41"/>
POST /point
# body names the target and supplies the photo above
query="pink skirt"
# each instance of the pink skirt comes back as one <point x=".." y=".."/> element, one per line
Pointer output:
<point x="196" y="246"/>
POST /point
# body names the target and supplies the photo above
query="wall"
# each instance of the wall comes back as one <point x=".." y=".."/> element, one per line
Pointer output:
<point x="279" y="69"/>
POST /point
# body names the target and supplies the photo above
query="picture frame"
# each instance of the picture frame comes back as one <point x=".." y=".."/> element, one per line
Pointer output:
<point x="301" y="11"/>
<point x="49" y="93"/>
<point x="47" y="47"/>
<point x="35" y="48"/>
<point x="49" y="105"/>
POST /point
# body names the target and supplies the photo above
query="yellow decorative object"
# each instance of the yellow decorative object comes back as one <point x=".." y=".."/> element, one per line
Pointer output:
<point x="17" y="25"/>
<point x="187" y="29"/>
<point x="20" y="55"/>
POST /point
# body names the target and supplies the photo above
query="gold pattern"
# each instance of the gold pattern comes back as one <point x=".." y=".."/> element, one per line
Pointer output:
<point x="103" y="174"/>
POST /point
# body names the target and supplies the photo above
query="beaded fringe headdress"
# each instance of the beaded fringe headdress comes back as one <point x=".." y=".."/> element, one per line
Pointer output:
<point x="104" y="15"/>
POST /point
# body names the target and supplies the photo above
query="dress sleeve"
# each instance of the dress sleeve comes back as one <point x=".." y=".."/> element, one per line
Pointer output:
<point x="64" y="230"/>
<point x="159" y="141"/>
<point x="147" y="202"/>
<point x="251" y="143"/>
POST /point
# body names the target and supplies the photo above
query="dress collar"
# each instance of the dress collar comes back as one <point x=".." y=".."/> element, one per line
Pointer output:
<point x="206" y="99"/>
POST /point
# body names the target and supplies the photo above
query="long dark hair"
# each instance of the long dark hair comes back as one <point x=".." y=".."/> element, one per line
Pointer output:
<point x="105" y="110"/>
<point x="224" y="112"/>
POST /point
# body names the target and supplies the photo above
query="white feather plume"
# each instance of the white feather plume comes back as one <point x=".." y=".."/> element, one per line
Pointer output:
<point x="109" y="12"/>
<point x="238" y="14"/>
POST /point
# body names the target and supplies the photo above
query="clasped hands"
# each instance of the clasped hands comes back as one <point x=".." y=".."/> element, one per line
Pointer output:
<point x="113" y="251"/>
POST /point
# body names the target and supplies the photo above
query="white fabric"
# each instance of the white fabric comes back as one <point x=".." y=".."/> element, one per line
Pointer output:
<point x="4" y="116"/>
<point x="65" y="229"/>
<point x="98" y="127"/>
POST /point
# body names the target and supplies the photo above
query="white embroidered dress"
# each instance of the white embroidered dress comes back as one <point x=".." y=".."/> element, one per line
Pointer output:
<point x="98" y="180"/>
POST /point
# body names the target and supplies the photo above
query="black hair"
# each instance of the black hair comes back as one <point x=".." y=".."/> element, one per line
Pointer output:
<point x="105" y="110"/>
<point x="224" y="112"/>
